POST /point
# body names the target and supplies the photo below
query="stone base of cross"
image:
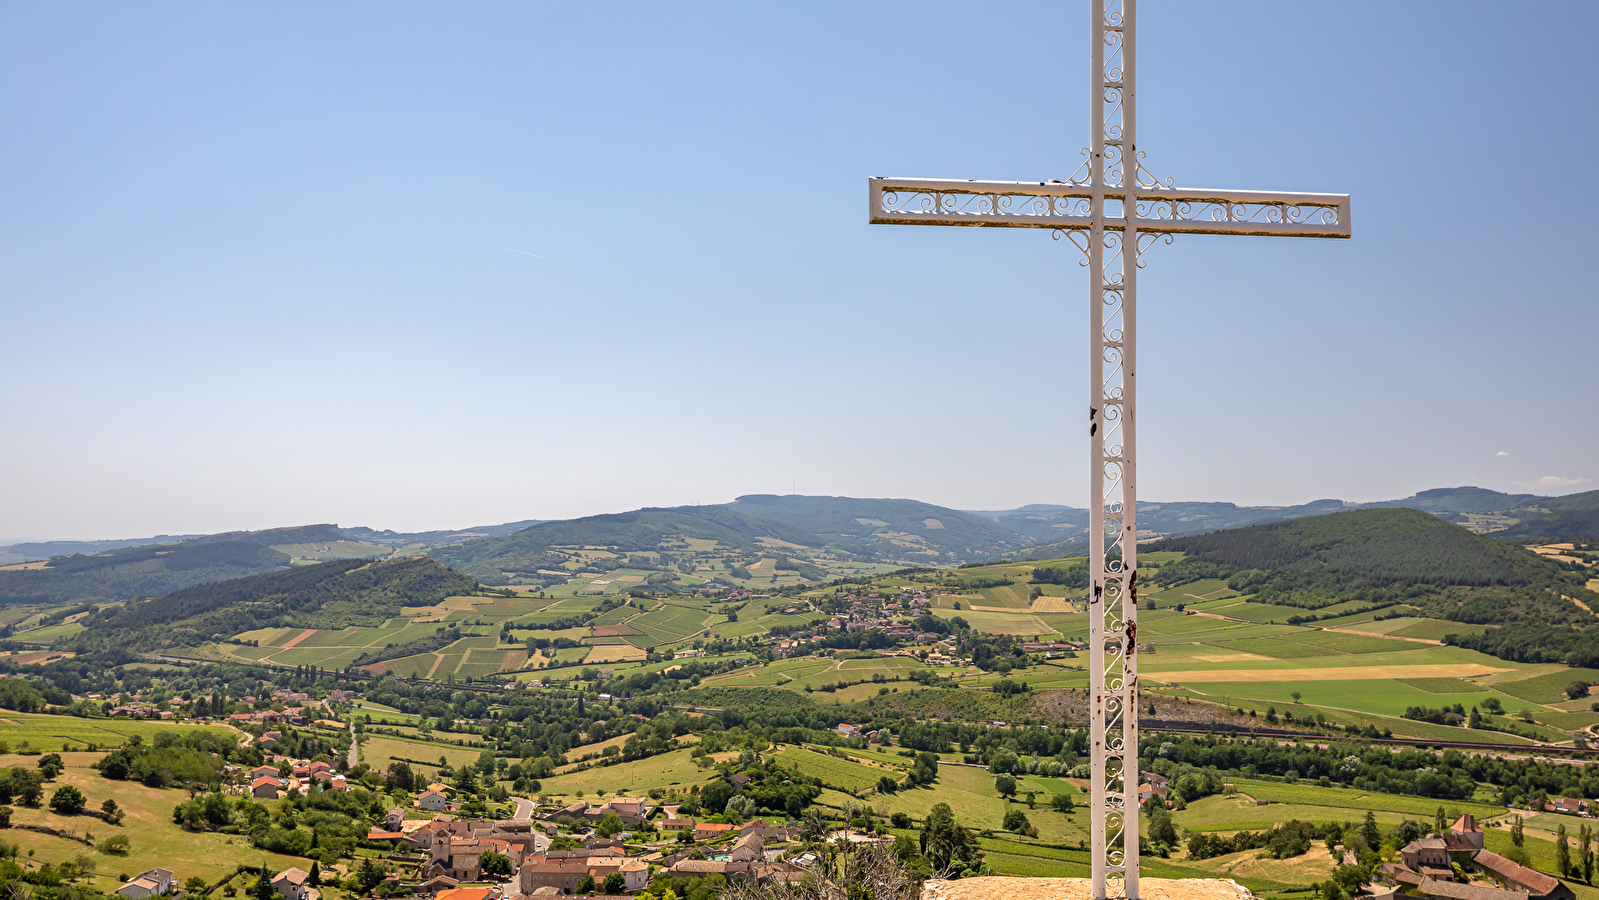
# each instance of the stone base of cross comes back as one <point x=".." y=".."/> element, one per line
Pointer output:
<point x="1111" y="209"/>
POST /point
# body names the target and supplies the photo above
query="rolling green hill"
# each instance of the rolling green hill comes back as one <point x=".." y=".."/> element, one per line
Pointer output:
<point x="889" y="530"/>
<point x="144" y="570"/>
<point x="1574" y="517"/>
<point x="330" y="595"/>
<point x="1383" y="557"/>
<point x="136" y="571"/>
<point x="523" y="554"/>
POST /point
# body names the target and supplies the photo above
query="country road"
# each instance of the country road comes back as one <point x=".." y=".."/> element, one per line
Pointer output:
<point x="355" y="750"/>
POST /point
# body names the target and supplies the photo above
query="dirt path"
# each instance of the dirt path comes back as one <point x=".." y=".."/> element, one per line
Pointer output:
<point x="298" y="638"/>
<point x="1391" y="637"/>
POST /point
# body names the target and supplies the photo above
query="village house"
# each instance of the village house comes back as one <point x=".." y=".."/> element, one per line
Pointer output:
<point x="291" y="884"/>
<point x="1438" y="889"/>
<point x="264" y="788"/>
<point x="1465" y="835"/>
<point x="562" y="874"/>
<point x="747" y="849"/>
<point x="433" y="800"/>
<point x="710" y="831"/>
<point x="676" y="825"/>
<point x="1514" y="876"/>
<point x="148" y="883"/>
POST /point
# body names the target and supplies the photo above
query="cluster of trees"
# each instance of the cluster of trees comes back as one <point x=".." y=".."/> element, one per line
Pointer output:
<point x="1533" y="643"/>
<point x="1450" y="775"/>
<point x="1290" y="839"/>
<point x="771" y="787"/>
<point x="1073" y="576"/>
<point x="23" y="695"/>
<point x="193" y="758"/>
<point x="324" y="826"/>
<point x="1445" y="716"/>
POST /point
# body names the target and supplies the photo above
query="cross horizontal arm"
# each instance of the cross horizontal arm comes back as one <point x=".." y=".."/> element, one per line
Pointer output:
<point x="1066" y="205"/>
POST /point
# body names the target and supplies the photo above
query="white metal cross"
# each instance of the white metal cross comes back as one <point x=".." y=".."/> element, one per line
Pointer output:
<point x="1112" y="209"/>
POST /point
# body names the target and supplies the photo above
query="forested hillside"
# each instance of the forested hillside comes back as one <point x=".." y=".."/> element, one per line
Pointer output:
<point x="328" y="595"/>
<point x="1383" y="556"/>
<point x="523" y="554"/>
<point x="1574" y="517"/>
<point x="888" y="530"/>
<point x="137" y="571"/>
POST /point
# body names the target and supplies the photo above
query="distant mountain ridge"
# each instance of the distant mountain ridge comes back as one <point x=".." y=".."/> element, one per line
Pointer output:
<point x="884" y="531"/>
<point x="887" y="529"/>
<point x="526" y="553"/>
<point x="1064" y="524"/>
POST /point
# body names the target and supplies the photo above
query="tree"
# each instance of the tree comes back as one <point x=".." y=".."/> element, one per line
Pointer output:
<point x="945" y="844"/>
<point x="400" y="776"/>
<point x="1585" y="858"/>
<point x="1296" y="695"/>
<point x="1016" y="820"/>
<point x="609" y="824"/>
<point x="1062" y="803"/>
<point x="739" y="808"/>
<point x="615" y="883"/>
<point x="115" y="845"/>
<point x="50" y="766"/>
<point x="314" y="877"/>
<point x="112" y="813"/>
<point x="887" y="785"/>
<point x="67" y="800"/>
<point x="262" y="889"/>
<point x="368" y="876"/>
<point x="714" y="796"/>
<point x="813" y="827"/>
<point x="466" y="780"/>
<point x="194" y="884"/>
<point x="1515" y="831"/>
<point x="586" y="886"/>
<point x="1006" y="785"/>
<point x="1162" y="832"/>
<point x="1370" y="832"/>
<point x="1440" y="822"/>
<point x="496" y="863"/>
<point x="1562" y="852"/>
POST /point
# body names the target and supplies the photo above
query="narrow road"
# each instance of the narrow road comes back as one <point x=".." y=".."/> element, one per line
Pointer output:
<point x="355" y="750"/>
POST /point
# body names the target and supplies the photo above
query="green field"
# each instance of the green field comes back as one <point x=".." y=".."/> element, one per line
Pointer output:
<point x="41" y="732"/>
<point x="669" y="624"/>
<point x="1388" y="697"/>
<point x="672" y="770"/>
<point x="840" y="774"/>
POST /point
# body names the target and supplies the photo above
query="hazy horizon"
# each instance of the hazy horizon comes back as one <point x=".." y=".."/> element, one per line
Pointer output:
<point x="5" y="542"/>
<point x="410" y="265"/>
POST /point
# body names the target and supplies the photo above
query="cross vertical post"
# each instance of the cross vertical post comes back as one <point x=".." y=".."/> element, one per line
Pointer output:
<point x="1110" y="210"/>
<point x="1113" y="511"/>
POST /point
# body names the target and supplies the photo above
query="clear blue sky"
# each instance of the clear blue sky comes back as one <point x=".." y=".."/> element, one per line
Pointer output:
<point x="423" y="265"/>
